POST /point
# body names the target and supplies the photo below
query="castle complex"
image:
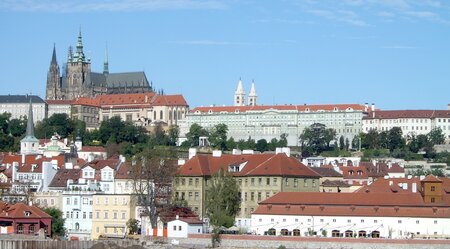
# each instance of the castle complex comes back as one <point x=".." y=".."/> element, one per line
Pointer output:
<point x="77" y="80"/>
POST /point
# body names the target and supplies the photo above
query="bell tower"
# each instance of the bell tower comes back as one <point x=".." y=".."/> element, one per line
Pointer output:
<point x="239" y="95"/>
<point x="53" y="90"/>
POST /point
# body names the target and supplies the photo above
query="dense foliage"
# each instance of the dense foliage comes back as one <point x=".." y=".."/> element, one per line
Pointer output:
<point x="11" y="131"/>
<point x="57" y="221"/>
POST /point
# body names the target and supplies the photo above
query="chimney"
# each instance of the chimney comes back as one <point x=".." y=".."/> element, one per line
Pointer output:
<point x="373" y="110"/>
<point x="405" y="186"/>
<point x="414" y="187"/>
<point x="192" y="152"/>
<point x="366" y="107"/>
<point x="23" y="158"/>
<point x="68" y="165"/>
<point x="287" y="151"/>
<point x="30" y="203"/>
<point x="217" y="153"/>
<point x="181" y="162"/>
<point x="391" y="183"/>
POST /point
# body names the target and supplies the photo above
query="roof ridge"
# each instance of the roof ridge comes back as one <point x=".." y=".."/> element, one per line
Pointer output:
<point x="259" y="165"/>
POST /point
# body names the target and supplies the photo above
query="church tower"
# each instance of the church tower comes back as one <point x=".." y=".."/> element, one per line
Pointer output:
<point x="252" y="96"/>
<point x="78" y="69"/>
<point x="53" y="79"/>
<point x="239" y="95"/>
<point x="29" y="144"/>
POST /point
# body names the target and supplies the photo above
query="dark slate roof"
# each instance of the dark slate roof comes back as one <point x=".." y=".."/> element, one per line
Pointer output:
<point x="20" y="99"/>
<point x="127" y="79"/>
<point x="96" y="79"/>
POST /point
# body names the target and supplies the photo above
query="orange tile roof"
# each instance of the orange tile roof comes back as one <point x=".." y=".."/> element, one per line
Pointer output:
<point x="169" y="100"/>
<point x="394" y="114"/>
<point x="351" y="172"/>
<point x="31" y="160"/>
<point x="125" y="98"/>
<point x="299" y="108"/>
<point x="87" y="102"/>
<point x="255" y="165"/>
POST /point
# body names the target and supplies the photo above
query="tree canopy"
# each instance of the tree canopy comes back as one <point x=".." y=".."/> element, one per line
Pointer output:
<point x="317" y="138"/>
<point x="57" y="221"/>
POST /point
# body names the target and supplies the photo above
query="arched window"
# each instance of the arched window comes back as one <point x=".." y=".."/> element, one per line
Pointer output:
<point x="77" y="226"/>
<point x="362" y="234"/>
<point x="335" y="233"/>
<point x="272" y="231"/>
<point x="348" y="233"/>
<point x="296" y="232"/>
<point x="284" y="232"/>
<point x="375" y="234"/>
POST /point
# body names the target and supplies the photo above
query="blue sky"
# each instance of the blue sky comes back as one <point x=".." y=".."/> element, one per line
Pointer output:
<point x="394" y="53"/>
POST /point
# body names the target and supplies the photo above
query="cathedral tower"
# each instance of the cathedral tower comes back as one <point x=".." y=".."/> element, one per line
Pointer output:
<point x="53" y="79"/>
<point x="78" y="69"/>
<point x="239" y="95"/>
<point x="252" y="95"/>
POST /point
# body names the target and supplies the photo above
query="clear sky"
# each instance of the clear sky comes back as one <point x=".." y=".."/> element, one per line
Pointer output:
<point x="394" y="53"/>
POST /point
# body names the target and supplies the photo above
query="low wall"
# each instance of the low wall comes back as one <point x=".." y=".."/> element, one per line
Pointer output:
<point x="251" y="241"/>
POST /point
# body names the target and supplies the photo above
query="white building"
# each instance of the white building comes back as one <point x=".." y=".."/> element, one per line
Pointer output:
<point x="422" y="212"/>
<point x="59" y="106"/>
<point x="412" y="122"/>
<point x="77" y="211"/>
<point x="18" y="106"/>
<point x="181" y="227"/>
<point x="271" y="121"/>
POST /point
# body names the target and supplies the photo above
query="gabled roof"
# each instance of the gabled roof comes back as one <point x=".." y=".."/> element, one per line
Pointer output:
<point x="169" y="100"/>
<point x="250" y="165"/>
<point x="431" y="178"/>
<point x="19" y="210"/>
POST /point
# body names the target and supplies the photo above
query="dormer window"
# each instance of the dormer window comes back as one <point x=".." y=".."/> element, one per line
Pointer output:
<point x="210" y="111"/>
<point x="27" y="213"/>
<point x="335" y="109"/>
<point x="233" y="168"/>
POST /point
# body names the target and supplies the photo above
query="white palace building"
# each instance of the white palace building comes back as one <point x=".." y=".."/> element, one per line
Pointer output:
<point x="270" y="121"/>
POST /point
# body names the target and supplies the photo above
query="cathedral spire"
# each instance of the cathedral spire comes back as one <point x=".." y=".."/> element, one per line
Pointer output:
<point x="79" y="55"/>
<point x="106" y="63"/>
<point x="29" y="144"/>
<point x="54" y="62"/>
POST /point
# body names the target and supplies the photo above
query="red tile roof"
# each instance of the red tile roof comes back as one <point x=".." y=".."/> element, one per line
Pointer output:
<point x="409" y="114"/>
<point x="299" y="108"/>
<point x="87" y="102"/>
<point x="31" y="160"/>
<point x="61" y="177"/>
<point x="251" y="165"/>
<point x="18" y="210"/>
<point x="169" y="100"/>
<point x="353" y="172"/>
<point x="93" y="149"/>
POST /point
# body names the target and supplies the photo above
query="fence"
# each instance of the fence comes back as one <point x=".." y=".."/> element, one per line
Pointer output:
<point x="53" y="244"/>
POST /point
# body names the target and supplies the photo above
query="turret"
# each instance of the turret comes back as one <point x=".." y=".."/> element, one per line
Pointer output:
<point x="252" y="96"/>
<point x="239" y="95"/>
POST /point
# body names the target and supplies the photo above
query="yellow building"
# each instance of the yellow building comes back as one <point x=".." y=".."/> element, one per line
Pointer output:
<point x="111" y="213"/>
<point x="259" y="176"/>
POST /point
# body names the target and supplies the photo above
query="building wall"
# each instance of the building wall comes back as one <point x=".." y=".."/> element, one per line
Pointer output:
<point x="48" y="199"/>
<point x="389" y="227"/>
<point x="272" y="123"/>
<point x="77" y="211"/>
<point x="59" y="108"/>
<point x="110" y="214"/>
<point x="18" y="110"/>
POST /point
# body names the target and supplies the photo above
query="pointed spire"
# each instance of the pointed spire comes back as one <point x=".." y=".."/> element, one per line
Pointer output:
<point x="239" y="89"/>
<point x="253" y="90"/>
<point x="252" y="95"/>
<point x="30" y="124"/>
<point x="54" y="55"/>
<point x="239" y="95"/>
<point x="79" y="55"/>
<point x="106" y="64"/>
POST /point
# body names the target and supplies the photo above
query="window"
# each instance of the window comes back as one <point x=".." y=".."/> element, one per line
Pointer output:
<point x="129" y="117"/>
<point x="433" y="188"/>
<point x="433" y="200"/>
<point x="84" y="215"/>
<point x="274" y="181"/>
<point x="267" y="181"/>
<point x="97" y="215"/>
<point x="190" y="181"/>
<point x="115" y="215"/>
<point x="197" y="181"/>
<point x="106" y="199"/>
<point x="287" y="182"/>
<point x="106" y="215"/>
<point x="90" y="215"/>
<point x="68" y="201"/>
<point x="161" y="114"/>
<point x="116" y="200"/>
<point x="75" y="201"/>
<point x="67" y="214"/>
<point x="399" y="221"/>
<point x="124" y="201"/>
<point x="259" y="181"/>
<point x="267" y="194"/>
<point x="196" y="196"/>
<point x="295" y="183"/>
<point x="20" y="229"/>
<point x="435" y="222"/>
<point x="245" y="196"/>
<point x="124" y="215"/>
<point x="190" y="196"/>
<point x="259" y="196"/>
<point x="253" y="182"/>
<point x="305" y="183"/>
<point x="314" y="183"/>
<point x="252" y="196"/>
<point x="417" y="222"/>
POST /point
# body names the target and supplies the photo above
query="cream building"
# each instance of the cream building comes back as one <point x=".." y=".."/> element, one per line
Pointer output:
<point x="412" y="122"/>
<point x="18" y="106"/>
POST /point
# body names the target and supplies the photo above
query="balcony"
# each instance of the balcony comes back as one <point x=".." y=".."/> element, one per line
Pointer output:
<point x="79" y="231"/>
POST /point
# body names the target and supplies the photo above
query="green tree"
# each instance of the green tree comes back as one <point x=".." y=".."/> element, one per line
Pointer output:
<point x="341" y="142"/>
<point x="347" y="144"/>
<point x="57" y="221"/>
<point x="59" y="123"/>
<point x="218" y="136"/>
<point x="436" y="136"/>
<point x="231" y="144"/>
<point x="4" y="119"/>
<point x="273" y="144"/>
<point x="195" y="131"/>
<point x="132" y="225"/>
<point x="395" y="139"/>
<point x="222" y="202"/>
<point x="317" y="138"/>
<point x="418" y="143"/>
<point x="283" y="140"/>
<point x="261" y="145"/>
<point x="17" y="127"/>
<point x="173" y="135"/>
